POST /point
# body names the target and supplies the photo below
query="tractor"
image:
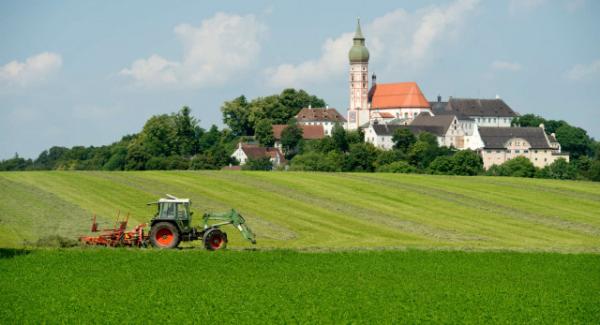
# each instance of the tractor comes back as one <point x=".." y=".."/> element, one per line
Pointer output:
<point x="171" y="225"/>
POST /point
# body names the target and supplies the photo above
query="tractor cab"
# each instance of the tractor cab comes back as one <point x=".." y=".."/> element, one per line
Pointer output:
<point x="175" y="210"/>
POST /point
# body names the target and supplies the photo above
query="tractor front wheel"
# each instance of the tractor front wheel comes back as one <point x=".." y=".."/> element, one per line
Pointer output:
<point x="214" y="239"/>
<point x="164" y="235"/>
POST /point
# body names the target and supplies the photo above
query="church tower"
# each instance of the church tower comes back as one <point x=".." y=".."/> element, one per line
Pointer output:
<point x="358" y="111"/>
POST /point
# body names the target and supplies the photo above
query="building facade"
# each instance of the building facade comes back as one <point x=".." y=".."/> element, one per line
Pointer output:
<point x="505" y="143"/>
<point x="484" y="112"/>
<point x="246" y="151"/>
<point x="325" y="117"/>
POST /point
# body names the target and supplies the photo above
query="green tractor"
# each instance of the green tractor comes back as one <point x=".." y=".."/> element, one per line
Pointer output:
<point x="172" y="224"/>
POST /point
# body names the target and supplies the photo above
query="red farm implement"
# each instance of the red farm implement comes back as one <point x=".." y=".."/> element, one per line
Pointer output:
<point x="117" y="236"/>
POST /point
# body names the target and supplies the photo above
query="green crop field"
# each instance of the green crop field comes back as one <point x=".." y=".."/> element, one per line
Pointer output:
<point x="319" y="210"/>
<point x="357" y="248"/>
<point x="255" y="287"/>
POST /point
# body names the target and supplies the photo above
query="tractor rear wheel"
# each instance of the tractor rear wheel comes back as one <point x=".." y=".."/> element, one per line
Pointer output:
<point x="214" y="239"/>
<point x="164" y="235"/>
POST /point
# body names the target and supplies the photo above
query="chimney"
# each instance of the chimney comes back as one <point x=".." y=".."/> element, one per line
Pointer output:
<point x="327" y="106"/>
<point x="439" y="99"/>
<point x="309" y="106"/>
<point x="374" y="79"/>
<point x="542" y="126"/>
<point x="497" y="96"/>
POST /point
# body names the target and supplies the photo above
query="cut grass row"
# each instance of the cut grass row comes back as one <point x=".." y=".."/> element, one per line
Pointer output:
<point x="321" y="210"/>
<point x="193" y="286"/>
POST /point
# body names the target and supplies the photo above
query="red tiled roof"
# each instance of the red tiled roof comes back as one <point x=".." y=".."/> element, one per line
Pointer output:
<point x="319" y="114"/>
<point x="254" y="151"/>
<point x="309" y="132"/>
<point x="397" y="95"/>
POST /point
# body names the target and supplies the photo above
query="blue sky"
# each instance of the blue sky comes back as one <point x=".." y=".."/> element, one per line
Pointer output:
<point x="86" y="73"/>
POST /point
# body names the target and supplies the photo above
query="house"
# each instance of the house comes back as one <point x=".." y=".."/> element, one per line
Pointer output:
<point x="326" y="117"/>
<point x="505" y="143"/>
<point x="381" y="134"/>
<point x="484" y="112"/>
<point x="247" y="151"/>
<point x="450" y="132"/>
<point x="401" y="100"/>
<point x="309" y="132"/>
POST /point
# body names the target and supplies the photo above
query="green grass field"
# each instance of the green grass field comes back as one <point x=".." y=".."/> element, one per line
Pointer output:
<point x="256" y="287"/>
<point x="437" y="249"/>
<point x="319" y="210"/>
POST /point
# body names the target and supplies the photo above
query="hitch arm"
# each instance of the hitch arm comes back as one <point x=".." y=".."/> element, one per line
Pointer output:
<point x="230" y="218"/>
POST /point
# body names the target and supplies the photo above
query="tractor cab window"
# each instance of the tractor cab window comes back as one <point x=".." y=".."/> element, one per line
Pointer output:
<point x="167" y="211"/>
<point x="183" y="211"/>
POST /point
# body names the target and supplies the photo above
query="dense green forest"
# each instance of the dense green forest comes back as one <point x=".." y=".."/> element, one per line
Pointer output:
<point x="176" y="141"/>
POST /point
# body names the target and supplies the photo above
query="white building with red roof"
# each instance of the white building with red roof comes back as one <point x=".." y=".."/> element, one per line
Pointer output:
<point x="325" y="117"/>
<point x="400" y="101"/>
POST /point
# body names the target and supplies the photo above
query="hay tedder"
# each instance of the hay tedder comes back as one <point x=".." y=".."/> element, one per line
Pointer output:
<point x="171" y="225"/>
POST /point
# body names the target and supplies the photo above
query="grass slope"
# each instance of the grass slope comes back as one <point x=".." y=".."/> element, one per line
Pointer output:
<point x="256" y="287"/>
<point x="320" y="210"/>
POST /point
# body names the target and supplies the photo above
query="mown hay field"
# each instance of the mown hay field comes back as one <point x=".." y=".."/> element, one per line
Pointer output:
<point x="314" y="211"/>
<point x="279" y="287"/>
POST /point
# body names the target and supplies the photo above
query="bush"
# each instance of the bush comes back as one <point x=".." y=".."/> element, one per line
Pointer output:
<point x="397" y="167"/>
<point x="516" y="167"/>
<point x="315" y="161"/>
<point x="442" y="165"/>
<point x="559" y="169"/>
<point x="467" y="162"/>
<point x="263" y="163"/>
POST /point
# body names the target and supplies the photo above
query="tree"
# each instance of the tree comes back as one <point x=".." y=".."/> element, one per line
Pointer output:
<point x="291" y="137"/>
<point x="442" y="165"/>
<point x="594" y="171"/>
<point x="262" y="163"/>
<point x="361" y="157"/>
<point x="386" y="157"/>
<point x="466" y="162"/>
<point x="264" y="133"/>
<point x="403" y="139"/>
<point x="185" y="132"/>
<point x="516" y="167"/>
<point x="339" y="137"/>
<point x="559" y="169"/>
<point x="424" y="151"/>
<point x="236" y="114"/>
<point x="574" y="140"/>
<point x="317" y="161"/>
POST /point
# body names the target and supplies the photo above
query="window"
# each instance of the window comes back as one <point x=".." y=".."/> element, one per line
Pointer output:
<point x="526" y="151"/>
<point x="517" y="151"/>
<point x="498" y="151"/>
<point x="488" y="151"/>
<point x="534" y="151"/>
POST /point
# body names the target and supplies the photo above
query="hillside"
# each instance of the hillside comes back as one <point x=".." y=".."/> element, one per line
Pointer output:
<point x="319" y="210"/>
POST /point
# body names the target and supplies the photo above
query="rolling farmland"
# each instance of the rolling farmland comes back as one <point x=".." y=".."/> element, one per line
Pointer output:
<point x="320" y="210"/>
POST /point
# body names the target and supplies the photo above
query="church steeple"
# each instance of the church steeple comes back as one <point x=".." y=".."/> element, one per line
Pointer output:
<point x="358" y="110"/>
<point x="358" y="52"/>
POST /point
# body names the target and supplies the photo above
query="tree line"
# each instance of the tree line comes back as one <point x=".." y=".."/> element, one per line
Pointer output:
<point x="176" y="141"/>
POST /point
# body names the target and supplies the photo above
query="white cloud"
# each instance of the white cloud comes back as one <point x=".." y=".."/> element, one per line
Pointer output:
<point x="520" y="6"/>
<point x="506" y="66"/>
<point x="35" y="69"/>
<point x="584" y="71"/>
<point x="399" y="38"/>
<point x="221" y="47"/>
